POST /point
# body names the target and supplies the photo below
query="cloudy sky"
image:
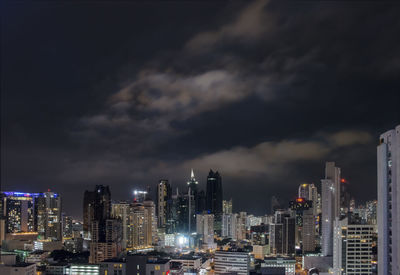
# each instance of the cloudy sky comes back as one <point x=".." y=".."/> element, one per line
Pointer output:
<point x="127" y="93"/>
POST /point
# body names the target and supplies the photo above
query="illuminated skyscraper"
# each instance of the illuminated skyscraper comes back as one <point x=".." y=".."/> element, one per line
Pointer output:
<point x="352" y="248"/>
<point x="48" y="222"/>
<point x="333" y="173"/>
<point x="67" y="229"/>
<point x="389" y="202"/>
<point x="143" y="224"/>
<point x="241" y="229"/>
<point x="305" y="223"/>
<point x="229" y="228"/>
<point x="344" y="198"/>
<point x="121" y="210"/>
<point x="192" y="198"/>
<point x="18" y="212"/>
<point x="205" y="228"/>
<point x="330" y="187"/>
<point x="88" y="212"/>
<point x="193" y="183"/>
<point x="107" y="244"/>
<point x="227" y="206"/>
<point x="164" y="203"/>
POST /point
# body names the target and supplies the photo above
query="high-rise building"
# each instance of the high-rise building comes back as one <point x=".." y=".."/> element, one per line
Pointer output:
<point x="235" y="262"/>
<point x="371" y="209"/>
<point x="150" y="210"/>
<point x="275" y="205"/>
<point x="214" y="198"/>
<point x="193" y="203"/>
<point x="164" y="202"/>
<point x="18" y="212"/>
<point x="205" y="229"/>
<point x="88" y="212"/>
<point x="105" y="232"/>
<point x="389" y="202"/>
<point x="229" y="229"/>
<point x="288" y="235"/>
<point x="67" y="224"/>
<point x="96" y="206"/>
<point x="241" y="228"/>
<point x="304" y="191"/>
<point x="327" y="217"/>
<point x="143" y="224"/>
<point x="276" y="238"/>
<point x="305" y="223"/>
<point x="192" y="183"/>
<point x="107" y="246"/>
<point x="201" y="201"/>
<point x="121" y="210"/>
<point x="333" y="173"/>
<point x="282" y="233"/>
<point x="352" y="253"/>
<point x="308" y="231"/>
<point x="344" y="198"/>
<point x="330" y="187"/>
<point x="227" y="206"/>
<point x="309" y="192"/>
<point x="183" y="217"/>
<point x="48" y="216"/>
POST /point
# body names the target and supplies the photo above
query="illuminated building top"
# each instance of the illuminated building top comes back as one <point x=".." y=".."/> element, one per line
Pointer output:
<point x="24" y="194"/>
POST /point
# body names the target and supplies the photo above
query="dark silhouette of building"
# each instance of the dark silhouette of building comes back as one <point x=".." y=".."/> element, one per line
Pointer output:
<point x="214" y="198"/>
<point x="96" y="207"/>
<point x="164" y="205"/>
<point x="214" y="193"/>
<point x="344" y="198"/>
<point x="201" y="202"/>
<point x="88" y="211"/>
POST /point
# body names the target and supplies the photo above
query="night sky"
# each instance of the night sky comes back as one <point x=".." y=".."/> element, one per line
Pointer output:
<point x="127" y="93"/>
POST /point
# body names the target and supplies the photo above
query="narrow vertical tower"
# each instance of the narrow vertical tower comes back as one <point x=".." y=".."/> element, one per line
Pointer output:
<point x="330" y="187"/>
<point x="388" y="153"/>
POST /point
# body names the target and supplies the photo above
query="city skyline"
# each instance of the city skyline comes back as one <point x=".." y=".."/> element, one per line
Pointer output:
<point x="265" y="92"/>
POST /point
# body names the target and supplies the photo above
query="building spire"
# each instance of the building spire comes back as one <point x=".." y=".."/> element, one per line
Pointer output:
<point x="192" y="174"/>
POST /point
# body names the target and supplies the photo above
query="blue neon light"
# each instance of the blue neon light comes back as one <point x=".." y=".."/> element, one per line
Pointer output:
<point x="24" y="194"/>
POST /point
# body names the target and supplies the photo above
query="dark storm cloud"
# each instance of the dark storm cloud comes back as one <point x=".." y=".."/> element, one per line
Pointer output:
<point x="265" y="92"/>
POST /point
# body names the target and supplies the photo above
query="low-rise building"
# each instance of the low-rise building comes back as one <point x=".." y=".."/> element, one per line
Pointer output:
<point x="18" y="269"/>
<point x="113" y="266"/>
<point x="288" y="263"/>
<point x="232" y="261"/>
<point x="260" y="251"/>
<point x="57" y="269"/>
<point x="87" y="269"/>
<point x="156" y="266"/>
<point x="188" y="262"/>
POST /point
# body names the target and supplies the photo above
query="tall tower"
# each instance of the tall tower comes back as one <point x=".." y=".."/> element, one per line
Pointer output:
<point x="214" y="198"/>
<point x="105" y="232"/>
<point x="330" y="205"/>
<point x="18" y="212"/>
<point x="164" y="197"/>
<point x="304" y="191"/>
<point x="192" y="183"/>
<point x="333" y="173"/>
<point x="389" y="202"/>
<point x="214" y="192"/>
<point x="48" y="216"/>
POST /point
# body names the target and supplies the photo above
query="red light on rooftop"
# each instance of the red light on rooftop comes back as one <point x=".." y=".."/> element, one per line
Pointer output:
<point x="299" y="200"/>
<point x="48" y="190"/>
<point x="343" y="180"/>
